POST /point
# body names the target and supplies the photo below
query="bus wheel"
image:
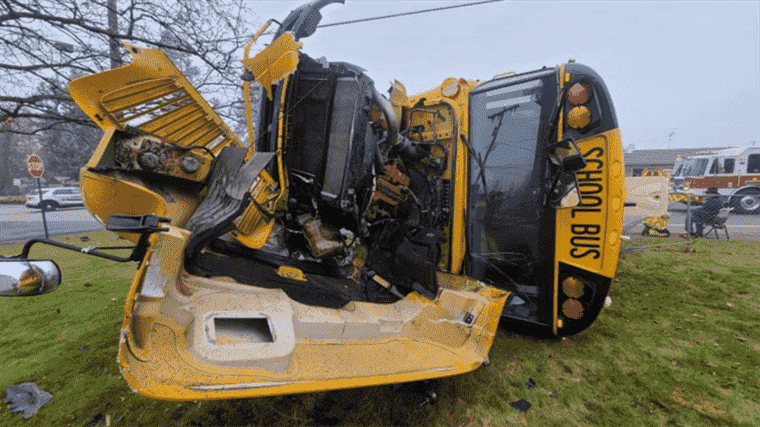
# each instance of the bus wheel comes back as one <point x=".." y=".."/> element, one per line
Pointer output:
<point x="747" y="202"/>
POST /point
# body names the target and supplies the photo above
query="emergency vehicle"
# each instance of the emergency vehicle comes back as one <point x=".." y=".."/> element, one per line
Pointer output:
<point x="734" y="171"/>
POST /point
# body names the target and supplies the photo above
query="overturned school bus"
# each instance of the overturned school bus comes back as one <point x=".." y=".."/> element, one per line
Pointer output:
<point x="356" y="240"/>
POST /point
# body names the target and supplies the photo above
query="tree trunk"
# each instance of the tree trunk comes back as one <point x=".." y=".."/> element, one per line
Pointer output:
<point x="113" y="28"/>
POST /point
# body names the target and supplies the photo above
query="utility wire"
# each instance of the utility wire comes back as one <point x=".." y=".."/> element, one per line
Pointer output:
<point x="395" y="15"/>
<point x="334" y="24"/>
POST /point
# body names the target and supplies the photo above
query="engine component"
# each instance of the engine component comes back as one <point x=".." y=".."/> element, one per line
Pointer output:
<point x="152" y="154"/>
<point x="391" y="191"/>
<point x="322" y="237"/>
<point x="330" y="145"/>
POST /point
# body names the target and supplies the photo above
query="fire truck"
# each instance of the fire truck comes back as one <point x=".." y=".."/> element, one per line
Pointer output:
<point x="734" y="171"/>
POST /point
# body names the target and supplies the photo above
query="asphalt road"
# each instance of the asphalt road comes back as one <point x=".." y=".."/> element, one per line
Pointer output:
<point x="740" y="227"/>
<point x="19" y="223"/>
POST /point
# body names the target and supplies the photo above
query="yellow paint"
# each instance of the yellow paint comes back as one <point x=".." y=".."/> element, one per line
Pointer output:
<point x="607" y="217"/>
<point x="104" y="195"/>
<point x="274" y="62"/>
<point x="291" y="273"/>
<point x="152" y="92"/>
<point x="410" y="340"/>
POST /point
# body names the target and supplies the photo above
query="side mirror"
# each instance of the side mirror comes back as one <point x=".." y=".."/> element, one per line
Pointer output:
<point x="23" y="277"/>
<point x="566" y="192"/>
<point x="567" y="156"/>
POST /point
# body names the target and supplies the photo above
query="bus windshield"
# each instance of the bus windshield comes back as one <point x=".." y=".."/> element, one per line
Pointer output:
<point x="507" y="175"/>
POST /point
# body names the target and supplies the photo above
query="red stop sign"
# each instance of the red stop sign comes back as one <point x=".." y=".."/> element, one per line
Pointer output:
<point x="35" y="166"/>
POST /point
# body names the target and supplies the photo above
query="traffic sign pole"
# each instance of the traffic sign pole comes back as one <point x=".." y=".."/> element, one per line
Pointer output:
<point x="42" y="208"/>
<point x="36" y="168"/>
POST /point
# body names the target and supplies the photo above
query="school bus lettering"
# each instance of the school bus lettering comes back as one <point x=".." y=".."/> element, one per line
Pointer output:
<point x="590" y="187"/>
<point x="588" y="183"/>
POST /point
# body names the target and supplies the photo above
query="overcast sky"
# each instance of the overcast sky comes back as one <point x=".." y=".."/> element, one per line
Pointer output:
<point x="687" y="68"/>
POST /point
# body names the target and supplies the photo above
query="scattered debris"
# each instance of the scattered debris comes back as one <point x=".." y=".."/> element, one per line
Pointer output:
<point x="607" y="302"/>
<point x="553" y="394"/>
<point x="85" y="238"/>
<point x="87" y="285"/>
<point x="26" y="397"/>
<point x="58" y="310"/>
<point x="675" y="362"/>
<point x="118" y="420"/>
<point x="521" y="405"/>
<point x="742" y="339"/>
<point x="729" y="304"/>
<point x="531" y="384"/>
<point x="82" y="348"/>
<point x="113" y="299"/>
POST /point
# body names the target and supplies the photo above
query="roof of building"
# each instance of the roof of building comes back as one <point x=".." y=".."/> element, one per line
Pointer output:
<point x="661" y="157"/>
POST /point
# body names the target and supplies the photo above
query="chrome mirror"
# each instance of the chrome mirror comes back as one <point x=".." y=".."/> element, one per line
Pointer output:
<point x="23" y="277"/>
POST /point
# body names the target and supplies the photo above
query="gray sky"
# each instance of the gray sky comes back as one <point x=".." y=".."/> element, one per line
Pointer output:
<point x="687" y="68"/>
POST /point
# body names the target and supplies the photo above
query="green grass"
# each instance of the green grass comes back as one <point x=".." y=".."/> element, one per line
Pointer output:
<point x="679" y="346"/>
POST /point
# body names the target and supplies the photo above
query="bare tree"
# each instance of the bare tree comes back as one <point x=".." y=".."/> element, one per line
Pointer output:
<point x="46" y="43"/>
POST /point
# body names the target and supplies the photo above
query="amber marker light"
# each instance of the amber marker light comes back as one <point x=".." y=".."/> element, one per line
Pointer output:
<point x="579" y="117"/>
<point x="572" y="309"/>
<point x="578" y="94"/>
<point x="572" y="287"/>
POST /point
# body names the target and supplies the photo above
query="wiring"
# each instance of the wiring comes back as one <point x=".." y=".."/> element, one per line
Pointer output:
<point x="395" y="15"/>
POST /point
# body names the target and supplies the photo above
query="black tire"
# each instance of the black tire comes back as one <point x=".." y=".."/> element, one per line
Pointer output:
<point x="49" y="206"/>
<point x="746" y="202"/>
<point x="645" y="231"/>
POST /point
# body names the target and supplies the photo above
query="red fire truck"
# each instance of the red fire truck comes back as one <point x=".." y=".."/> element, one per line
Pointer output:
<point x="734" y="171"/>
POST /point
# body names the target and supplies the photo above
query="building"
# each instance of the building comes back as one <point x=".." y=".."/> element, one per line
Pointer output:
<point x="638" y="160"/>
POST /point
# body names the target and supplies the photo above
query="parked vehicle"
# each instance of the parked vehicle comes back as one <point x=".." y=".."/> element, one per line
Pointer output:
<point x="54" y="198"/>
<point x="357" y="240"/>
<point x="735" y="172"/>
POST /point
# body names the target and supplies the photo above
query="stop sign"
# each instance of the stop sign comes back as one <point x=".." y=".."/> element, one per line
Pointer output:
<point x="35" y="166"/>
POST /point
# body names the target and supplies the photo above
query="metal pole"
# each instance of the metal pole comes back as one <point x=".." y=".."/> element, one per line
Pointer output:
<point x="42" y="208"/>
<point x="688" y="221"/>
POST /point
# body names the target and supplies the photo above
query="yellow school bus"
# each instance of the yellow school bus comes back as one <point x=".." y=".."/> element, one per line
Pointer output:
<point x="354" y="239"/>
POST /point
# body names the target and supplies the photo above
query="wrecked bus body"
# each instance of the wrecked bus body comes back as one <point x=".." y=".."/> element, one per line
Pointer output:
<point x="356" y="239"/>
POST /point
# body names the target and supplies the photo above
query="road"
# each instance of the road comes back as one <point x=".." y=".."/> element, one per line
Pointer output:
<point x="19" y="223"/>
<point x="740" y="227"/>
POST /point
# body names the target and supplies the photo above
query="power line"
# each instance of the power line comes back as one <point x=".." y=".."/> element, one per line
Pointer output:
<point x="395" y="15"/>
<point x="334" y="24"/>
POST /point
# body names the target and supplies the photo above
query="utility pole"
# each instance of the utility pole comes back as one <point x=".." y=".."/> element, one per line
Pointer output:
<point x="113" y="29"/>
<point x="5" y="147"/>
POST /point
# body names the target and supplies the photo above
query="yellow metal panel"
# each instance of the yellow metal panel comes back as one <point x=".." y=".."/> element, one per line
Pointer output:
<point x="588" y="235"/>
<point x="152" y="95"/>
<point x="276" y="61"/>
<point x="105" y="195"/>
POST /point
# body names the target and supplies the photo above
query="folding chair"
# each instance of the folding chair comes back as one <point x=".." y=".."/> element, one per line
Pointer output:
<point x="719" y="223"/>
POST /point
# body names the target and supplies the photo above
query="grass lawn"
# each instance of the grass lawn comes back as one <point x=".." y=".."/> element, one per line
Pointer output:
<point x="679" y="346"/>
